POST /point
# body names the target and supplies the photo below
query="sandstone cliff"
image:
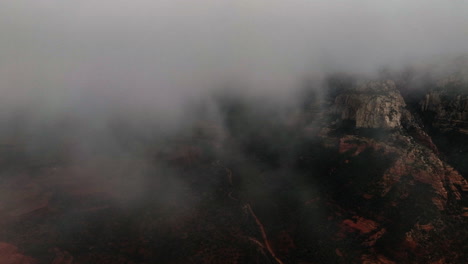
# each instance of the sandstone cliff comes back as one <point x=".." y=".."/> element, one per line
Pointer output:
<point x="373" y="105"/>
<point x="447" y="106"/>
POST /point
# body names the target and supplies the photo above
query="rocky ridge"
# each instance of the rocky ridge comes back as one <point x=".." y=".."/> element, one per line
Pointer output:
<point x="414" y="173"/>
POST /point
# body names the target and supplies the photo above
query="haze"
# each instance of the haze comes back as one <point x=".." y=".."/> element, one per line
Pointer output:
<point x="90" y="57"/>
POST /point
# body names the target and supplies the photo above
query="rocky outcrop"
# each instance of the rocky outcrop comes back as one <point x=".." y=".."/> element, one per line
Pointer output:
<point x="444" y="112"/>
<point x="411" y="160"/>
<point x="373" y="105"/>
<point x="401" y="191"/>
<point x="446" y="107"/>
<point x="406" y="195"/>
<point x="449" y="112"/>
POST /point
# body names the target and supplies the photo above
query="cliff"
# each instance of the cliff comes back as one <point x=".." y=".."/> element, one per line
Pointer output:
<point x="447" y="106"/>
<point x="373" y="105"/>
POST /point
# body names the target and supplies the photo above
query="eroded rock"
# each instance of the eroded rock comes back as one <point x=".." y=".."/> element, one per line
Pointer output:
<point x="373" y="105"/>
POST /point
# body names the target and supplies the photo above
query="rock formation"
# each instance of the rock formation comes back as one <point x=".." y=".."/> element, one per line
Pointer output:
<point x="373" y="105"/>
<point x="447" y="106"/>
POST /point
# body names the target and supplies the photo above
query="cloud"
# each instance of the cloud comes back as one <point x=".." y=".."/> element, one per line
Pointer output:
<point x="93" y="58"/>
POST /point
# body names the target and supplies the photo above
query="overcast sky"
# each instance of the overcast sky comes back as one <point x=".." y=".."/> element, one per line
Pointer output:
<point x="77" y="54"/>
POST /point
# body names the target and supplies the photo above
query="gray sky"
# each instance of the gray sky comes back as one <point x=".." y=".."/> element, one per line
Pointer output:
<point x="93" y="54"/>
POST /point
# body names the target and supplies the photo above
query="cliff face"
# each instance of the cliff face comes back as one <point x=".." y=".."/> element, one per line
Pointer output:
<point x="373" y="105"/>
<point x="449" y="110"/>
<point x="378" y="105"/>
<point x="405" y="197"/>
<point x="444" y="111"/>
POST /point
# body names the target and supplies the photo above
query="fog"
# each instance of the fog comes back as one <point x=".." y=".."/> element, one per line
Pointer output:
<point x="89" y="57"/>
<point x="102" y="99"/>
<point x="75" y="74"/>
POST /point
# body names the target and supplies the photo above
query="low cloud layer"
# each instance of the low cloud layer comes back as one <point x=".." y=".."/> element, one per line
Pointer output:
<point x="97" y="96"/>
<point x="92" y="56"/>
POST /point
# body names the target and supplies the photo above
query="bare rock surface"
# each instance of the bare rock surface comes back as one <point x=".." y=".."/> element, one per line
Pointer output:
<point x="373" y="105"/>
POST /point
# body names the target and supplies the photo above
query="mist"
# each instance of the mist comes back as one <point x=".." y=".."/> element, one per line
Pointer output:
<point x="81" y="77"/>
<point x="182" y="110"/>
<point x="93" y="57"/>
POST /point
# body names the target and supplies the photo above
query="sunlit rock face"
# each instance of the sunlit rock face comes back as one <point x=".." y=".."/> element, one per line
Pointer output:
<point x="373" y="105"/>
